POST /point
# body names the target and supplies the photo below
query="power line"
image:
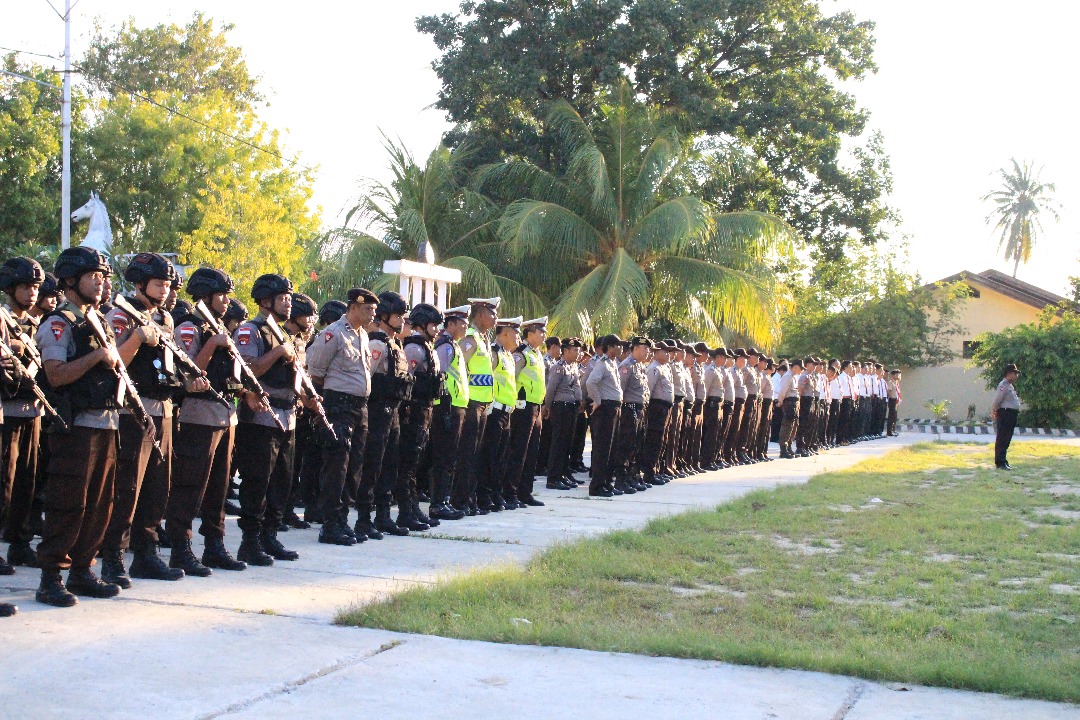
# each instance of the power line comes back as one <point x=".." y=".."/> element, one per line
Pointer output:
<point x="27" y="52"/>
<point x="27" y="77"/>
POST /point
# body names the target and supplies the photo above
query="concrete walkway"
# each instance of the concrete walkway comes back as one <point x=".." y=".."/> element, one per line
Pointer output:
<point x="260" y="644"/>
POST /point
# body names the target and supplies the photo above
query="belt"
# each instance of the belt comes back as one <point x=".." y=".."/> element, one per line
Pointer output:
<point x="678" y="398"/>
<point x="634" y="405"/>
<point x="616" y="403"/>
<point x="713" y="400"/>
<point x="331" y="396"/>
<point x="661" y="403"/>
<point x="565" y="403"/>
<point x="500" y="406"/>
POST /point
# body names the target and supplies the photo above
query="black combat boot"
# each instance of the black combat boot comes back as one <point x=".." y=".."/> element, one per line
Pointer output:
<point x="384" y="523"/>
<point x="445" y="511"/>
<point x="419" y="515"/>
<point x="148" y="565"/>
<point x="83" y="581"/>
<point x="5" y="568"/>
<point x="20" y="553"/>
<point x="112" y="568"/>
<point x="273" y="546"/>
<point x="364" y="527"/>
<point x="51" y="591"/>
<point x="251" y="550"/>
<point x="181" y="558"/>
<point x="216" y="555"/>
<point x="7" y="610"/>
<point x="407" y="519"/>
<point x="336" y="533"/>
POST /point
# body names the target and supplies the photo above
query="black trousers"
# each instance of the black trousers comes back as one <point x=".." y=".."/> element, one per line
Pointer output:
<point x="446" y="424"/>
<point x="142" y="484"/>
<point x="605" y="423"/>
<point x="466" y="471"/>
<point x="307" y="462"/>
<point x="761" y="444"/>
<point x="727" y="414"/>
<point x="746" y="423"/>
<point x="203" y="466"/>
<point x="711" y="422"/>
<point x="342" y="461"/>
<point x="804" y="435"/>
<point x="376" y="486"/>
<point x="415" y="421"/>
<point x="790" y="423"/>
<point x="656" y="425"/>
<point x="264" y="458"/>
<point x="519" y="460"/>
<point x="843" y="422"/>
<point x="21" y="438"/>
<point x="1005" y="426"/>
<point x="628" y="439"/>
<point x="491" y="454"/>
<point x="577" y="445"/>
<point x="891" y="429"/>
<point x="560" y="426"/>
<point x="834" y="422"/>
<point x="731" y="442"/>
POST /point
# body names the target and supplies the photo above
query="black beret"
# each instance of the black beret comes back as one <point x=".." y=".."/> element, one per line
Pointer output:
<point x="363" y="296"/>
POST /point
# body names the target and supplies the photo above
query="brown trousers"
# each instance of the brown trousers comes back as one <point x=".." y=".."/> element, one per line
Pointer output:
<point x="200" y="481"/>
<point x="21" y="436"/>
<point x="142" y="485"/>
<point x="78" y="497"/>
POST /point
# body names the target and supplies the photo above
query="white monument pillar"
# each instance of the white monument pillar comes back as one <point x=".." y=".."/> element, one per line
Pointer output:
<point x="417" y="281"/>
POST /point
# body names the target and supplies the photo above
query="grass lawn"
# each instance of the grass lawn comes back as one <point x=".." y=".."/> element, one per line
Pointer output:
<point x="926" y="566"/>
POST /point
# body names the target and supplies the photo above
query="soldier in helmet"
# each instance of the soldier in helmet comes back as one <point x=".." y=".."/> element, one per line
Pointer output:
<point x="82" y="467"/>
<point x="264" y="452"/>
<point x="391" y="384"/>
<point x="301" y="326"/>
<point x="236" y="315"/>
<point x="425" y="321"/>
<point x="204" y="443"/>
<point x="339" y="362"/>
<point x="142" y="478"/>
<point x="49" y="296"/>
<point x="20" y="280"/>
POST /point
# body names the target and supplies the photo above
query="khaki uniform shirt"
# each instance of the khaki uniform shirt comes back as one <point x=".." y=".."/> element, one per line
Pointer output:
<point x="342" y="357"/>
<point x="634" y="380"/>
<point x="563" y="383"/>
<point x="603" y="383"/>
<point x="661" y="386"/>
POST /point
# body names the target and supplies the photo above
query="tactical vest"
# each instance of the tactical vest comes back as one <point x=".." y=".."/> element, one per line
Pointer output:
<point x="505" y="380"/>
<point x="97" y="388"/>
<point x="282" y="374"/>
<point x="456" y="386"/>
<point x="532" y="380"/>
<point x="23" y="392"/>
<point x="220" y="371"/>
<point x="427" y="383"/>
<point x="149" y="380"/>
<point x="395" y="383"/>
<point x="481" y="373"/>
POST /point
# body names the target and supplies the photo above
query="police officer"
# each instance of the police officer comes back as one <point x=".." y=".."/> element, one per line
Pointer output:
<point x="82" y="468"/>
<point x="142" y="476"/>
<point x="448" y="416"/>
<point x="752" y="382"/>
<point x="236" y="315"/>
<point x="425" y="321"/>
<point x="562" y="403"/>
<point x="530" y="366"/>
<point x="731" y="445"/>
<point x="658" y="415"/>
<point x="805" y="387"/>
<point x="760" y="447"/>
<point x="264" y="451"/>
<point x="20" y="279"/>
<point x="391" y="384"/>
<point x="713" y="410"/>
<point x="552" y="356"/>
<point x="491" y="459"/>
<point x="301" y="326"/>
<point x="894" y="401"/>
<point x="605" y="393"/>
<point x="1004" y="409"/>
<point x="635" y="391"/>
<point x="339" y="363"/>
<point x="476" y="352"/>
<point x="206" y="437"/>
<point x="787" y="399"/>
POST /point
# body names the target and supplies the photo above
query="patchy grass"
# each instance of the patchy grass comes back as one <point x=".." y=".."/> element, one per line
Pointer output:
<point x="925" y="566"/>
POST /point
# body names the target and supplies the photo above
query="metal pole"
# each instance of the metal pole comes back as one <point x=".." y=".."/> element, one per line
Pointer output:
<point x="65" y="132"/>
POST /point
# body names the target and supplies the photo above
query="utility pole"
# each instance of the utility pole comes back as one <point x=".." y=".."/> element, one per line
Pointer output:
<point x="65" y="133"/>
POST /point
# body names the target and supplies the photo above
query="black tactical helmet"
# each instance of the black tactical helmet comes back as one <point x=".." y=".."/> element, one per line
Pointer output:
<point x="236" y="311"/>
<point x="73" y="262"/>
<point x="390" y="303"/>
<point x="424" y="314"/>
<point x="302" y="305"/>
<point x="270" y="285"/>
<point x="331" y="311"/>
<point x="207" y="281"/>
<point x="149" y="266"/>
<point x="181" y="310"/>
<point x="50" y="286"/>
<point x="20" y="270"/>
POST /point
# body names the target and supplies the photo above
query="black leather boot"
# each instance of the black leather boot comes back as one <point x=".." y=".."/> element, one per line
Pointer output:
<point x="384" y="523"/>
<point x="20" y="553"/>
<point x="148" y="565"/>
<point x="419" y="515"/>
<point x="83" y="581"/>
<point x="336" y="533"/>
<point x="7" y="610"/>
<point x="407" y="519"/>
<point x="364" y="527"/>
<point x="112" y="568"/>
<point x="445" y="511"/>
<point x="273" y="546"/>
<point x="5" y="568"/>
<point x="251" y="550"/>
<point x="51" y="591"/>
<point x="183" y="559"/>
<point x="216" y="555"/>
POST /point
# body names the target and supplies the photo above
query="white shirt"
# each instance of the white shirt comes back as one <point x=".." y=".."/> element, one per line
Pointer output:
<point x="844" y="383"/>
<point x="834" y="389"/>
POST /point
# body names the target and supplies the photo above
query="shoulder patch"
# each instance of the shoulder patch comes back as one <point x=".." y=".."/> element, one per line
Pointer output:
<point x="327" y="336"/>
<point x="243" y="336"/>
<point x="413" y="363"/>
<point x="58" y="327"/>
<point x="468" y="345"/>
<point x="119" y="322"/>
<point x="376" y="354"/>
<point x="187" y="334"/>
<point x="624" y="370"/>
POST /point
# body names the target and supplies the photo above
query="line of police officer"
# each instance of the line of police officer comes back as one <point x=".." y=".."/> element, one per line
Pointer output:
<point x="151" y="405"/>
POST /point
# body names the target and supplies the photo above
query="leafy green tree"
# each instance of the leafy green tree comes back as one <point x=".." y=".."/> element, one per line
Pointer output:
<point x="423" y="204"/>
<point x="867" y="306"/>
<point x="1018" y="204"/>
<point x="1046" y="352"/>
<point x="611" y="242"/>
<point x="760" y="77"/>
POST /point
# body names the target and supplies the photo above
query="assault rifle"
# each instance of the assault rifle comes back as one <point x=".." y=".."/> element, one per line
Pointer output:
<point x="247" y="377"/>
<point x="22" y="373"/>
<point x="305" y="381"/>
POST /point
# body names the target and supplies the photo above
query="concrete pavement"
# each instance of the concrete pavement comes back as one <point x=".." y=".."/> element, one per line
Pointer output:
<point x="260" y="643"/>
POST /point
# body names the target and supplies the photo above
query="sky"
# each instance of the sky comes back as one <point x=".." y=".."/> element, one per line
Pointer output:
<point x="962" y="87"/>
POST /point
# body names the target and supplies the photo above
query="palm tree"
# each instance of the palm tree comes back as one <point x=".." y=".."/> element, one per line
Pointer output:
<point x="1019" y="203"/>
<point x="428" y="204"/>
<point x="611" y="241"/>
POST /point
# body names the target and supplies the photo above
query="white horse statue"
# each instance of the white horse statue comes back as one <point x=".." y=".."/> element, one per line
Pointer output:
<point x="99" y="236"/>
